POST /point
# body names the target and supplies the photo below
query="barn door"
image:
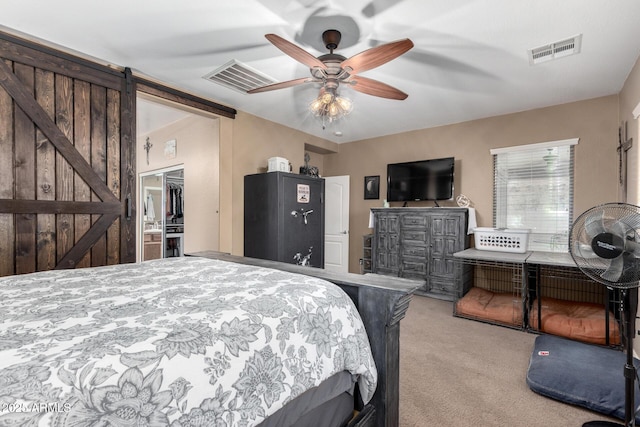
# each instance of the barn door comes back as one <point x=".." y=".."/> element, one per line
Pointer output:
<point x="67" y="161"/>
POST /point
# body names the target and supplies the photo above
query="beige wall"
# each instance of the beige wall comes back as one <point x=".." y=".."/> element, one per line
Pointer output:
<point x="198" y="150"/>
<point x="594" y="121"/>
<point x="629" y="99"/>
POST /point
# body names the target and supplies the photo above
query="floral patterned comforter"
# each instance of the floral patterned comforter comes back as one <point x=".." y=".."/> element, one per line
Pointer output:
<point x="180" y="342"/>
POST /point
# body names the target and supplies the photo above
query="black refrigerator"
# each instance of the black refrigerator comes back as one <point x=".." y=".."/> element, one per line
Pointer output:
<point x="284" y="218"/>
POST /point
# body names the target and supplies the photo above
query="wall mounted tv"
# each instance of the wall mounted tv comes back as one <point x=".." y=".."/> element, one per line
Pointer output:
<point x="420" y="180"/>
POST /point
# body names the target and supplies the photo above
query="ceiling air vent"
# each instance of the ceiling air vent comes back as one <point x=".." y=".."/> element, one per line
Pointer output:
<point x="238" y="76"/>
<point x="555" y="50"/>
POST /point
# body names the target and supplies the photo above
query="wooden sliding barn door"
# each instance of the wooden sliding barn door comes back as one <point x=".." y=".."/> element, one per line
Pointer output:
<point x="67" y="161"/>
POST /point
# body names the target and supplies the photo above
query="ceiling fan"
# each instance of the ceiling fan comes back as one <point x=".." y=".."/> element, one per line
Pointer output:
<point x="333" y="69"/>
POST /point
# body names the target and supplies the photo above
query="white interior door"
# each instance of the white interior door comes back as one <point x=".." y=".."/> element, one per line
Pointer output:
<point x="336" y="223"/>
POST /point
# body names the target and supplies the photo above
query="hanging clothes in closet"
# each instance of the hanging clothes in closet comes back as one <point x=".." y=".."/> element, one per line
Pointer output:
<point x="175" y="200"/>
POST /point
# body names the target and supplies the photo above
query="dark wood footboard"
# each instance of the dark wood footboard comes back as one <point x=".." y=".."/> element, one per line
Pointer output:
<point x="382" y="302"/>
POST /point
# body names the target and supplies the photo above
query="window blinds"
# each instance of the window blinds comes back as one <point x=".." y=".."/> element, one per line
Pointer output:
<point x="533" y="188"/>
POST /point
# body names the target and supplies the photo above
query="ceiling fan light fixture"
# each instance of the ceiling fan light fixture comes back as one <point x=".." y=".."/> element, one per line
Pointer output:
<point x="330" y="106"/>
<point x="344" y="103"/>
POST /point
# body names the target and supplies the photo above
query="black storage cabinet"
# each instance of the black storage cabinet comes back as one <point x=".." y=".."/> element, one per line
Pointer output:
<point x="284" y="218"/>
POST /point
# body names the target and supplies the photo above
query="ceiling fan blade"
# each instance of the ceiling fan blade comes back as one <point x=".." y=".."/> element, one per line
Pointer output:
<point x="375" y="7"/>
<point x="295" y="52"/>
<point x="376" y="88"/>
<point x="594" y="224"/>
<point x="282" y="85"/>
<point x="376" y="56"/>
<point x="613" y="273"/>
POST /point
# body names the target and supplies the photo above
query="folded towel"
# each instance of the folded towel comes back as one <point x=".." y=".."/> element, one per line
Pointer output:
<point x="472" y="223"/>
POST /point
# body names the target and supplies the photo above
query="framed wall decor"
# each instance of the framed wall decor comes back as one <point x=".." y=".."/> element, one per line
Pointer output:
<point x="372" y="187"/>
<point x="170" y="149"/>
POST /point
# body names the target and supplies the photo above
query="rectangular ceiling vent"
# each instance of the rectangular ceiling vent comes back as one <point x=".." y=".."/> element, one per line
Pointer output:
<point x="559" y="49"/>
<point x="238" y="76"/>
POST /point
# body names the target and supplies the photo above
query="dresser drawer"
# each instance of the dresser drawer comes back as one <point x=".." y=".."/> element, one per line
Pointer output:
<point x="441" y="287"/>
<point x="413" y="221"/>
<point x="414" y="266"/>
<point x="419" y="251"/>
<point x="414" y="236"/>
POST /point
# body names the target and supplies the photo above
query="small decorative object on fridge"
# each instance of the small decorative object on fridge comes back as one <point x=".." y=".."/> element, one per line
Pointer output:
<point x="278" y="164"/>
<point x="502" y="239"/>
<point x="309" y="170"/>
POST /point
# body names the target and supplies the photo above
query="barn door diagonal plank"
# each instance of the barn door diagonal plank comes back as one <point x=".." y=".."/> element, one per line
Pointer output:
<point x="30" y="106"/>
<point x="86" y="241"/>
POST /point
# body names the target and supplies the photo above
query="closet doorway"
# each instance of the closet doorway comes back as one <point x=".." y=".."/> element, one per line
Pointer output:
<point x="163" y="213"/>
<point x="180" y="145"/>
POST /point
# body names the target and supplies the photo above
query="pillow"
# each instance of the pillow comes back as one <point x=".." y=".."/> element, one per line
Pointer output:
<point x="580" y="374"/>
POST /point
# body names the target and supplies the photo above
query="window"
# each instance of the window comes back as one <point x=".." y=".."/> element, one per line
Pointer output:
<point x="533" y="188"/>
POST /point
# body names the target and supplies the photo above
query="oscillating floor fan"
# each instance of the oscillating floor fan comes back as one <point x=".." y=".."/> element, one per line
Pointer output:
<point x="604" y="242"/>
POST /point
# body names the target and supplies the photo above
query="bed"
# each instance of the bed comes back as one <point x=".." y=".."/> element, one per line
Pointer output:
<point x="188" y="341"/>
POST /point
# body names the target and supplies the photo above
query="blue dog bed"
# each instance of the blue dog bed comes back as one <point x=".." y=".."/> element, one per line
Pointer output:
<point x="580" y="374"/>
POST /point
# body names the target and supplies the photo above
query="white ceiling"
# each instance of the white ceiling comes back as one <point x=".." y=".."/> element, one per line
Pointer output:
<point x="469" y="61"/>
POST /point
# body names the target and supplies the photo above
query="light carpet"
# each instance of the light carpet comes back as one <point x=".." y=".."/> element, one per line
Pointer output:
<point x="461" y="372"/>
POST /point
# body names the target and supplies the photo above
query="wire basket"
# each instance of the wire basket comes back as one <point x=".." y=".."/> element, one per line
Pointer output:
<point x="502" y="239"/>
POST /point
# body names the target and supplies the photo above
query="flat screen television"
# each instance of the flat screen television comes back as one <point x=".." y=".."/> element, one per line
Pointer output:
<point x="420" y="180"/>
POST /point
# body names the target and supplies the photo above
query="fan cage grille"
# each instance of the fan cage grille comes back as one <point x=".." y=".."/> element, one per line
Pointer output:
<point x="610" y="215"/>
